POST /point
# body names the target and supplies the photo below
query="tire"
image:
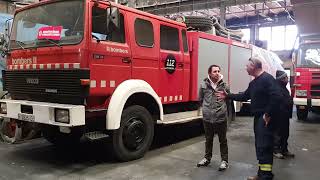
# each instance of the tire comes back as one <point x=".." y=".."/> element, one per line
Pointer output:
<point x="200" y="23"/>
<point x="134" y="137"/>
<point x="302" y="114"/>
<point x="54" y="136"/>
<point x="10" y="131"/>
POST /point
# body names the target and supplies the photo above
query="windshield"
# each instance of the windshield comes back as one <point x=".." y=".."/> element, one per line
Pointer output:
<point x="309" y="55"/>
<point x="66" y="14"/>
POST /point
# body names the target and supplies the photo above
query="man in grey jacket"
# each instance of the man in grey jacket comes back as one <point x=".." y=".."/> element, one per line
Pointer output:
<point x="214" y="115"/>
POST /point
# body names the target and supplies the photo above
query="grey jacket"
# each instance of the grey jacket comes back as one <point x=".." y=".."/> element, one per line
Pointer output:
<point x="213" y="110"/>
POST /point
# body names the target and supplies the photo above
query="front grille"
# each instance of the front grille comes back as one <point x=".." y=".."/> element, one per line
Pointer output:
<point x="56" y="86"/>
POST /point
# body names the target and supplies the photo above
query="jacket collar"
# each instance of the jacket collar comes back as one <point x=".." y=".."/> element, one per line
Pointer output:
<point x="207" y="81"/>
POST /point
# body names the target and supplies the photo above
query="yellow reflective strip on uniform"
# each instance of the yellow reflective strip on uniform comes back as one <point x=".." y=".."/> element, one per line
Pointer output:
<point x="265" y="167"/>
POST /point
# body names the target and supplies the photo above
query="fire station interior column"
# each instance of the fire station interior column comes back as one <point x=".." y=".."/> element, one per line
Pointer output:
<point x="223" y="14"/>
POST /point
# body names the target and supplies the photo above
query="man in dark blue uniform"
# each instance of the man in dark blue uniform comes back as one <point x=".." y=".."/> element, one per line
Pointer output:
<point x="283" y="117"/>
<point x="264" y="96"/>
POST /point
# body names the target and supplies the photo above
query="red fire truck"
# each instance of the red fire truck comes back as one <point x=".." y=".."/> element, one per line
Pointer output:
<point x="99" y="69"/>
<point x="307" y="59"/>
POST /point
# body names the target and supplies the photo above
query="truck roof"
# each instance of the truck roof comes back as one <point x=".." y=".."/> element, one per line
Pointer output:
<point x="113" y="4"/>
<point x="218" y="38"/>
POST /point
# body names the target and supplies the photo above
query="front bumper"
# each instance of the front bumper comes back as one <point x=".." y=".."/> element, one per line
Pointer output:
<point x="44" y="112"/>
<point x="306" y="102"/>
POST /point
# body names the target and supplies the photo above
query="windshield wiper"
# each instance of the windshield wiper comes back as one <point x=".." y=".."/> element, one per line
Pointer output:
<point x="19" y="43"/>
<point x="52" y="41"/>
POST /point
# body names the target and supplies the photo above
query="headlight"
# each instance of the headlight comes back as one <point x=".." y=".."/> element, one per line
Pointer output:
<point x="3" y="108"/>
<point x="61" y="115"/>
<point x="302" y="93"/>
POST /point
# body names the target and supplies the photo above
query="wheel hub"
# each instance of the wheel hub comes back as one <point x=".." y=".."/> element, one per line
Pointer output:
<point x="134" y="133"/>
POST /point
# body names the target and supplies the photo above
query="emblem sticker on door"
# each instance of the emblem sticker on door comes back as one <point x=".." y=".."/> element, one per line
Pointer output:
<point x="170" y="64"/>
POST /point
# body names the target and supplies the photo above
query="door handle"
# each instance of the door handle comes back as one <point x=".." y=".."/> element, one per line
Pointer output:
<point x="126" y="60"/>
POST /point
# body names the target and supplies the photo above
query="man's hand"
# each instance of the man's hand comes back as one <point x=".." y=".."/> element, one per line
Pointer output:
<point x="221" y="95"/>
<point x="266" y="118"/>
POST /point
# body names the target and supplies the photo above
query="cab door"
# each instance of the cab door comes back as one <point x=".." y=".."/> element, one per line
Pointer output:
<point x="171" y="64"/>
<point x="109" y="54"/>
<point x="186" y="66"/>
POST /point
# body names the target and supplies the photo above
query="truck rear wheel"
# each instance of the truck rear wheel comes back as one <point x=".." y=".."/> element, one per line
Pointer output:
<point x="134" y="137"/>
<point x="302" y="113"/>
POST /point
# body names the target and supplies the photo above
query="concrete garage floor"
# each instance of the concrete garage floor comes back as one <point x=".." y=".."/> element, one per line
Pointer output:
<point x="174" y="155"/>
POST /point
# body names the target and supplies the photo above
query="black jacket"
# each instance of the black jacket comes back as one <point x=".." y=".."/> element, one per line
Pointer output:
<point x="264" y="94"/>
<point x="286" y="101"/>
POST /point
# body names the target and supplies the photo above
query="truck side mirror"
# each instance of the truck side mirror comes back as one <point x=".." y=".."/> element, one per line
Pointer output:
<point x="113" y="20"/>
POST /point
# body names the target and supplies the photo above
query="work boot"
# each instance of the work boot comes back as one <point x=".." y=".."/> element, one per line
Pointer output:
<point x="288" y="154"/>
<point x="278" y="155"/>
<point x="253" y="178"/>
<point x="203" y="162"/>
<point x="223" y="166"/>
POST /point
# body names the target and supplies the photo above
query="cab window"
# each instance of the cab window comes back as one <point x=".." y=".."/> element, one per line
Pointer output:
<point x="144" y="33"/>
<point x="99" y="27"/>
<point x="169" y="38"/>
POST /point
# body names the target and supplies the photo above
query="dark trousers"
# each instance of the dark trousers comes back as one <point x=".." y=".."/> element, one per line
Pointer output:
<point x="264" y="147"/>
<point x="281" y="134"/>
<point x="210" y="129"/>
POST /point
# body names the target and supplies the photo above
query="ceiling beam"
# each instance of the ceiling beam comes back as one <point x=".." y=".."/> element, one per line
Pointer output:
<point x="268" y="7"/>
<point x="228" y="12"/>
<point x="260" y="9"/>
<point x="193" y="5"/>
<point x="238" y="7"/>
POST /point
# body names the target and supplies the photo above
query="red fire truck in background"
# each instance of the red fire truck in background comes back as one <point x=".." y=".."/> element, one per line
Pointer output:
<point x="99" y="69"/>
<point x="306" y="58"/>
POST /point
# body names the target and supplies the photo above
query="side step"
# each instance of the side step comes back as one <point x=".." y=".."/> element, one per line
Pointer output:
<point x="95" y="135"/>
<point x="182" y="117"/>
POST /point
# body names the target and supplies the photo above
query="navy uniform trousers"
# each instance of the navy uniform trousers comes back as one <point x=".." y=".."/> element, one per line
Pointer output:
<point x="264" y="147"/>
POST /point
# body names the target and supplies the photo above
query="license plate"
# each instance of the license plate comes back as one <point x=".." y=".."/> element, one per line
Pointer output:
<point x="26" y="117"/>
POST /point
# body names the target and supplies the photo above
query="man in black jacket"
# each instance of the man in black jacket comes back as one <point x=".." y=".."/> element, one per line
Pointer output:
<point x="283" y="116"/>
<point x="264" y="96"/>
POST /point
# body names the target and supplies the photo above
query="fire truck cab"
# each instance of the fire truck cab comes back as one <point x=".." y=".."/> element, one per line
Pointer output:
<point x="99" y="69"/>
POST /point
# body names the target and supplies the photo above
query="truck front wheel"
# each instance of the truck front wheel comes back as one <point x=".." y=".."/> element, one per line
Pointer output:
<point x="302" y="113"/>
<point x="134" y="137"/>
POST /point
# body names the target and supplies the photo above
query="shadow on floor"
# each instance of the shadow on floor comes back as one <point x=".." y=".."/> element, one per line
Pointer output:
<point x="96" y="152"/>
<point x="313" y="118"/>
